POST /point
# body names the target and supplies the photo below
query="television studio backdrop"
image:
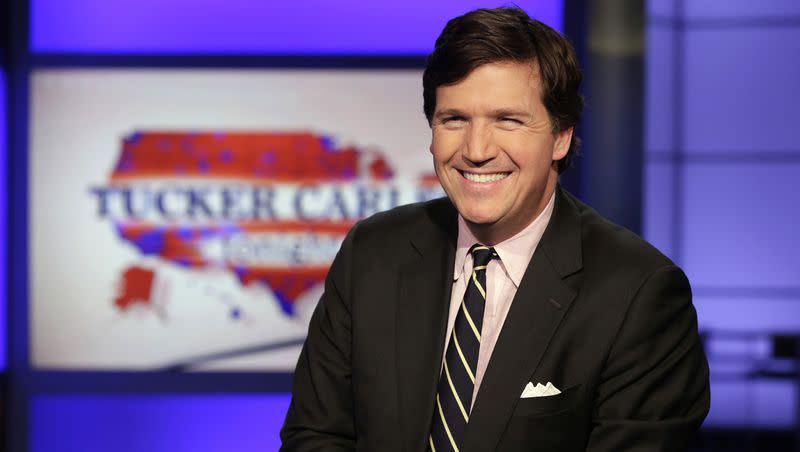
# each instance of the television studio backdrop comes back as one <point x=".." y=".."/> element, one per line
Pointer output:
<point x="177" y="176"/>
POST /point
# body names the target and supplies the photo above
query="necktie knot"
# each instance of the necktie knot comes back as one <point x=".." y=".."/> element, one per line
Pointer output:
<point x="482" y="255"/>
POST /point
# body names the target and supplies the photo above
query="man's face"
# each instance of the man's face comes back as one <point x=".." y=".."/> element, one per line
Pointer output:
<point x="493" y="148"/>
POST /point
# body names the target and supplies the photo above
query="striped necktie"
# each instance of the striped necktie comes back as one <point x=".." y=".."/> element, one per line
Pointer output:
<point x="457" y="382"/>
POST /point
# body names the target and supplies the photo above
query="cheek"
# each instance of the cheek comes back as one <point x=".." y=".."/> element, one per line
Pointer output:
<point x="441" y="155"/>
<point x="530" y="154"/>
<point x="438" y="158"/>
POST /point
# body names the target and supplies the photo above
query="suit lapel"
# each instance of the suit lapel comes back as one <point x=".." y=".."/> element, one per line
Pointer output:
<point x="424" y="297"/>
<point x="538" y="308"/>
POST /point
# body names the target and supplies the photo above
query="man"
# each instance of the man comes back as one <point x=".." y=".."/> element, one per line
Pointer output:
<point x="509" y="316"/>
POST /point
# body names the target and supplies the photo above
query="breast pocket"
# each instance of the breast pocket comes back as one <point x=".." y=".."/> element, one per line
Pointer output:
<point x="548" y="405"/>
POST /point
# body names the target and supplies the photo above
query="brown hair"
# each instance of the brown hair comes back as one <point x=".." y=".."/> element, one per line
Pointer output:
<point x="488" y="36"/>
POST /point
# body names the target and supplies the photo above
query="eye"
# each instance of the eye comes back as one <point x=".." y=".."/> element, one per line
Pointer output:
<point x="513" y="121"/>
<point x="453" y="121"/>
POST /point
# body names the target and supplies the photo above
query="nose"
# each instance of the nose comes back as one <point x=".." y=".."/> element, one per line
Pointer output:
<point x="479" y="147"/>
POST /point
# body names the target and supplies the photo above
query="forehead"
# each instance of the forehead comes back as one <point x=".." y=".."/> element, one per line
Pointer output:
<point x="492" y="83"/>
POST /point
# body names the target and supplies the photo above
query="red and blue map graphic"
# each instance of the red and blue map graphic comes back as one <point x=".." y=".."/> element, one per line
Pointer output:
<point x="271" y="208"/>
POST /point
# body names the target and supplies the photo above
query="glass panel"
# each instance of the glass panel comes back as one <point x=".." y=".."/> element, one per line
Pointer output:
<point x="747" y="314"/>
<point x="744" y="9"/>
<point x="660" y="8"/>
<point x="660" y="97"/>
<point x="740" y="225"/>
<point x="659" y="217"/>
<point x="752" y="403"/>
<point x="741" y="90"/>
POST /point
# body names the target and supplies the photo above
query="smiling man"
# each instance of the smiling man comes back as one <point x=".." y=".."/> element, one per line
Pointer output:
<point x="508" y="316"/>
<point x="494" y="148"/>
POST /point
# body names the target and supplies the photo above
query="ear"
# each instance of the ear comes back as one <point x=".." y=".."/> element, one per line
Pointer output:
<point x="561" y="145"/>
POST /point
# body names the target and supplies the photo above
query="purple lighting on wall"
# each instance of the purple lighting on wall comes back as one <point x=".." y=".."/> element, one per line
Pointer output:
<point x="722" y="166"/>
<point x="165" y="423"/>
<point x="248" y="27"/>
<point x="3" y="219"/>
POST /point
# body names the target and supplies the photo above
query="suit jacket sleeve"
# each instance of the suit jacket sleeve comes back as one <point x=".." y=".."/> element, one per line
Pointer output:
<point x="653" y="392"/>
<point x="320" y="416"/>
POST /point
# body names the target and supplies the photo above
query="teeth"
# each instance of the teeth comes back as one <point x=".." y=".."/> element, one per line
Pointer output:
<point x="485" y="177"/>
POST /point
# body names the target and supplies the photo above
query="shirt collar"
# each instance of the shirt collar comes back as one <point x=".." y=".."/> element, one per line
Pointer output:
<point x="515" y="253"/>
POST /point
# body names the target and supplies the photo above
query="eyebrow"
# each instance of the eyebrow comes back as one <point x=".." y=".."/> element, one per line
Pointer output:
<point x="501" y="112"/>
<point x="498" y="113"/>
<point x="448" y="112"/>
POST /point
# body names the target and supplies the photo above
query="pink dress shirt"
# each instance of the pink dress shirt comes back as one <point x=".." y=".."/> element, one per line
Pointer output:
<point x="502" y="280"/>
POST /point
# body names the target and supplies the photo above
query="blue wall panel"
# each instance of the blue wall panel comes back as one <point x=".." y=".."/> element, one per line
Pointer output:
<point x="742" y="90"/>
<point x="740" y="225"/>
<point x="736" y="161"/>
<point x="136" y="423"/>
<point x="747" y="314"/>
<point x="245" y="26"/>
<point x="659" y="216"/>
<point x="660" y="8"/>
<point x="746" y="9"/>
<point x="659" y="90"/>
<point x="752" y="403"/>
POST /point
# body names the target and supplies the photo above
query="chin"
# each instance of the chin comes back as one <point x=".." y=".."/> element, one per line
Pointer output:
<point x="480" y="218"/>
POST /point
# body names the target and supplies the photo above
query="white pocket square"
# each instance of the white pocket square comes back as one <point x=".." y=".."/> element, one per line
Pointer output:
<point x="539" y="390"/>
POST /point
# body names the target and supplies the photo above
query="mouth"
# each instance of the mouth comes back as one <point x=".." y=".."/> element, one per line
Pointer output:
<point x="484" y="178"/>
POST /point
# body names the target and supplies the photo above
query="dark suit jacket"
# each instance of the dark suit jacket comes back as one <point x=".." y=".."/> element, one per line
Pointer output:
<point x="600" y="313"/>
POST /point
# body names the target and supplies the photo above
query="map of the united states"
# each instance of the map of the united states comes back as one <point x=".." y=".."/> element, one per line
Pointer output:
<point x="272" y="208"/>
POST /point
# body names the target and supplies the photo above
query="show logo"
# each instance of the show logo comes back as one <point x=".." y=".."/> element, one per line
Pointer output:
<point x="272" y="208"/>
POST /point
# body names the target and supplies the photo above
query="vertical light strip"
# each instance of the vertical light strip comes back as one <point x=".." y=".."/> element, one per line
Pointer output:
<point x="3" y="219"/>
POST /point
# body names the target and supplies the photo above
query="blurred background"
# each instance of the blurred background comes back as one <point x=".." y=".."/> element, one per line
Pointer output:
<point x="175" y="177"/>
